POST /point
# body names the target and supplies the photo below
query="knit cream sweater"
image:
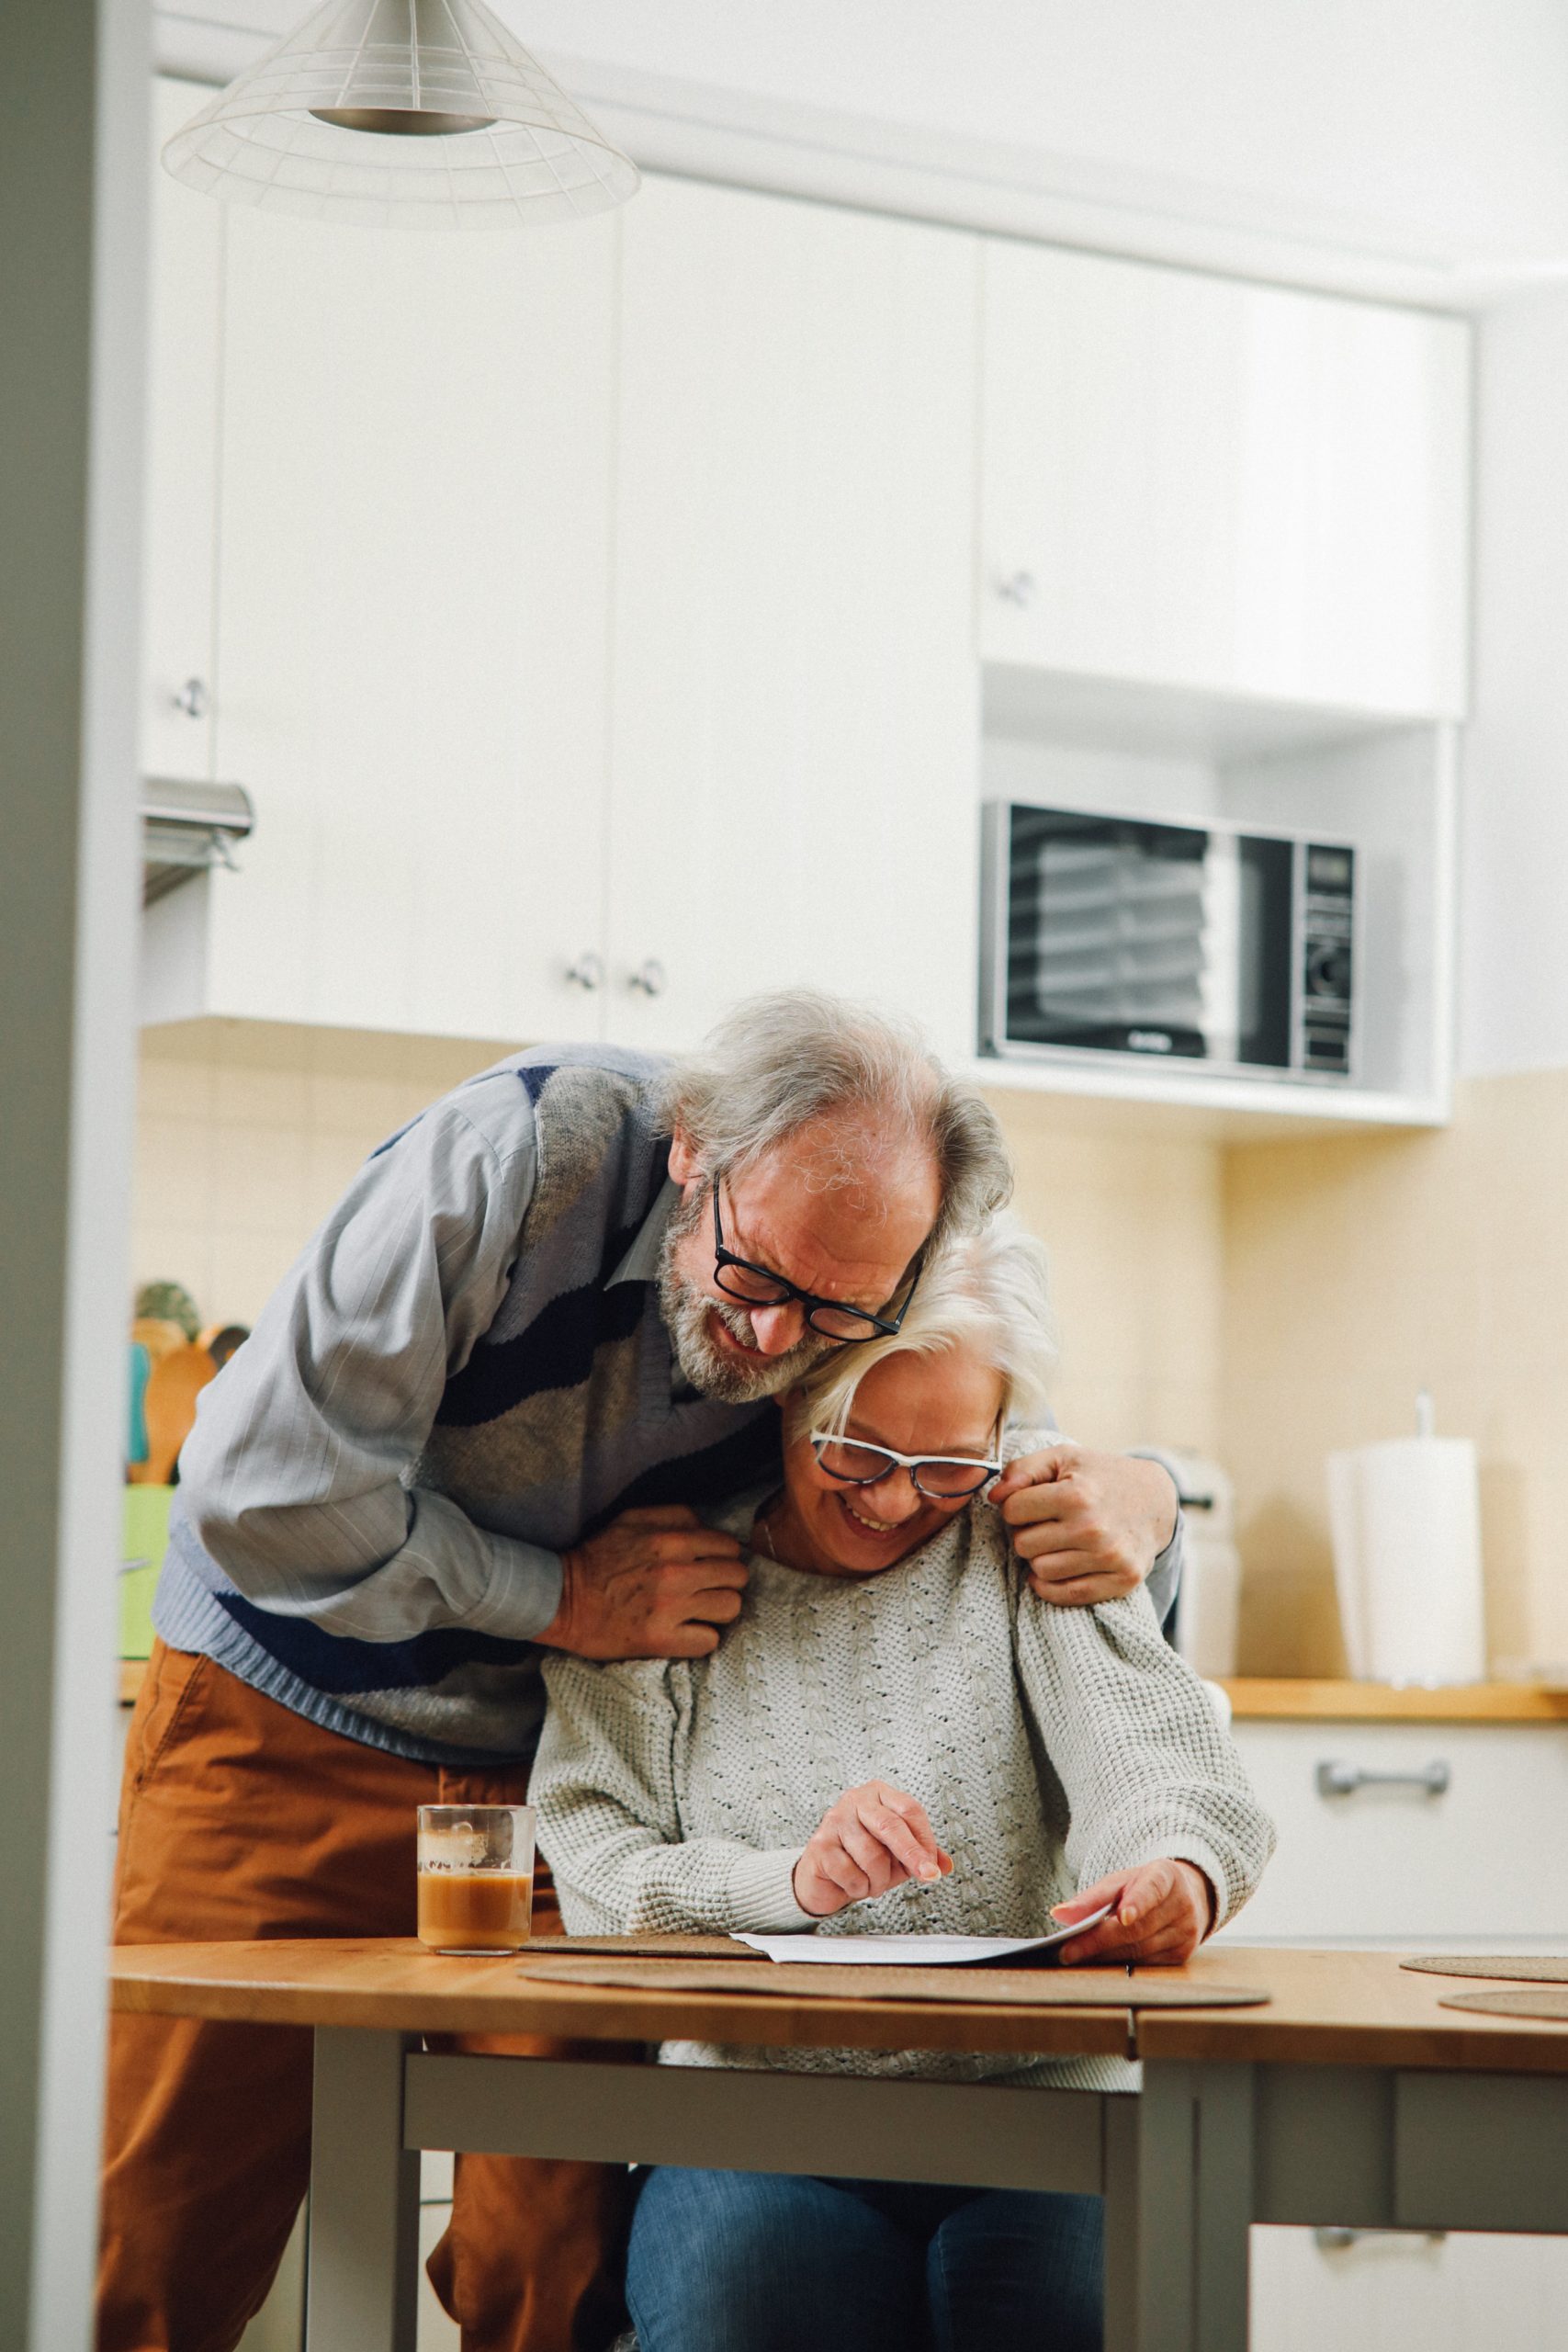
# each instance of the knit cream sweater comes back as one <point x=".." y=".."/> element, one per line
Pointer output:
<point x="1049" y="1747"/>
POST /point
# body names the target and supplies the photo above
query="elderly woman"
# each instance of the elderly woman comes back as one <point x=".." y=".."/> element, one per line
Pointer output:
<point x="895" y="1734"/>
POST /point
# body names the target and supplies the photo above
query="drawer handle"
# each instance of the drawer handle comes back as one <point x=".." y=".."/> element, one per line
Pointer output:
<point x="1336" y="2241"/>
<point x="1344" y="1779"/>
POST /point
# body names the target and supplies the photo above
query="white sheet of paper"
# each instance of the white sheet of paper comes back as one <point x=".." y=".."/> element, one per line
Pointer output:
<point x="911" y="1952"/>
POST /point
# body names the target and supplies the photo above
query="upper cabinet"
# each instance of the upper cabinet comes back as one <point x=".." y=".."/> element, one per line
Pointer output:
<point x="796" y="731"/>
<point x="179" y="540"/>
<point x="413" y="572"/>
<point x="1194" y="482"/>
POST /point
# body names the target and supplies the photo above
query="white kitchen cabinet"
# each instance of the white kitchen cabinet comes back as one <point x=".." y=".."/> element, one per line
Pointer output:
<point x="414" y="576"/>
<point x="409" y="676"/>
<point x="1193" y="481"/>
<point x="1402" y="2292"/>
<point x="1473" y="1868"/>
<point x="795" y="727"/>
<point x="179" y="537"/>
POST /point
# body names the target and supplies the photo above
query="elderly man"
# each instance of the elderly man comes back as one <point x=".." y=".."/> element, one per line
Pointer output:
<point x="472" y="1423"/>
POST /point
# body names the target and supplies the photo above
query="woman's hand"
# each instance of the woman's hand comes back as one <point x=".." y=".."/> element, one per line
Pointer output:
<point x="1086" y="1526"/>
<point x="1163" y="1912"/>
<point x="875" y="1838"/>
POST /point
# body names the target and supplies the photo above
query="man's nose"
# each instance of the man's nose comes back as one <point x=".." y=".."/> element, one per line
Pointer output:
<point x="778" y="1328"/>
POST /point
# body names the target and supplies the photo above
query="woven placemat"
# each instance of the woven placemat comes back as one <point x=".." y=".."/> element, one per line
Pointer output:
<point x="1525" y="1968"/>
<point x="1023" y="1989"/>
<point x="1551" y="2001"/>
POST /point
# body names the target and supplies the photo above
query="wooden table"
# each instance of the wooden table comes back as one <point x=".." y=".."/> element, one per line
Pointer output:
<point x="1352" y="2098"/>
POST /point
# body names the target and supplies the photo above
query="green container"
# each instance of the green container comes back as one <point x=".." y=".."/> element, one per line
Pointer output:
<point x="144" y="1540"/>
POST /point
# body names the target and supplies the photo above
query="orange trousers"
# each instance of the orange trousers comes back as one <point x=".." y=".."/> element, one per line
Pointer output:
<point x="239" y="1819"/>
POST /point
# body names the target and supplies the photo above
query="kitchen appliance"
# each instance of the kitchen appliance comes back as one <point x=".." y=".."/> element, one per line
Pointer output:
<point x="1221" y="945"/>
<point x="1205" y="1625"/>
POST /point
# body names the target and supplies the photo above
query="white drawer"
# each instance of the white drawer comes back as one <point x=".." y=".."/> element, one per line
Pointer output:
<point x="1486" y="1860"/>
<point x="1395" y="2292"/>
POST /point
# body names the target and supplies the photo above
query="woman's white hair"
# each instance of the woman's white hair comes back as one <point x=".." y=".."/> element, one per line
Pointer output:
<point x="985" y="1292"/>
<point x="779" y="1062"/>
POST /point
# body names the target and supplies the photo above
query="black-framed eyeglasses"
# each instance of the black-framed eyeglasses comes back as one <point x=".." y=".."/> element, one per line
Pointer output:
<point x="756" y="1285"/>
<point x="941" y="1477"/>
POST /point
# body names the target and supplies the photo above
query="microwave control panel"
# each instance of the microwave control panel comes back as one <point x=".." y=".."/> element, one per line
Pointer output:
<point x="1328" y="900"/>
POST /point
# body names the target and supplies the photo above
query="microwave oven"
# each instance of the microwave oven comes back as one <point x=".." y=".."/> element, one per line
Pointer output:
<point x="1218" y="944"/>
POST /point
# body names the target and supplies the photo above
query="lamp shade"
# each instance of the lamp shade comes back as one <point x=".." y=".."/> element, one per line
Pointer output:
<point x="423" y="114"/>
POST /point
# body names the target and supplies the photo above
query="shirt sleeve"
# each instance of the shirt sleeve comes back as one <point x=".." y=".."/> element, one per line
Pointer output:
<point x="294" y="1477"/>
<point x="1145" y="1764"/>
<point x="606" y="1783"/>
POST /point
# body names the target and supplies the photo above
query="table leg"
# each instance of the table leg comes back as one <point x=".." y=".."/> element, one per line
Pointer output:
<point x="1179" y="2202"/>
<point x="361" y="2258"/>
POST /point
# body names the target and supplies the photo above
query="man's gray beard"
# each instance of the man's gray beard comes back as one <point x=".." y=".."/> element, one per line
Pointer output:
<point x="686" y="1310"/>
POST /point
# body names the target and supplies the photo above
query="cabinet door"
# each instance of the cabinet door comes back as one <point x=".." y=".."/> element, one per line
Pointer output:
<point x="796" y="730"/>
<point x="180" y="516"/>
<point x="1228" y="487"/>
<point x="414" y="583"/>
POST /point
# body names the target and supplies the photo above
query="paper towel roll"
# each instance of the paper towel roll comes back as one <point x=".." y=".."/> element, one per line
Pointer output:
<point x="1405" y="1519"/>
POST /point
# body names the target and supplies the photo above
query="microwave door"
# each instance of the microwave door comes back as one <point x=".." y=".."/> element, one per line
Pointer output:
<point x="1106" y="933"/>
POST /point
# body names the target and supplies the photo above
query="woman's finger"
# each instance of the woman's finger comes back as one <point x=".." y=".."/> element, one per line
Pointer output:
<point x="916" y="1855"/>
<point x="840" y="1868"/>
<point x="882" y="1868"/>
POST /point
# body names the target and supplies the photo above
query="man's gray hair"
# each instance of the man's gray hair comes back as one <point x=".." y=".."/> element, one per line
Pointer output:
<point x="984" y="1292"/>
<point x="781" y="1060"/>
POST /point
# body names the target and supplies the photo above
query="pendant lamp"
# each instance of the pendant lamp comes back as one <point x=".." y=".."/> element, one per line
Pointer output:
<point x="421" y="114"/>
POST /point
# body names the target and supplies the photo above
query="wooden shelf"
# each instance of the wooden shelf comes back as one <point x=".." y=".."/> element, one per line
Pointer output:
<point x="1305" y="1701"/>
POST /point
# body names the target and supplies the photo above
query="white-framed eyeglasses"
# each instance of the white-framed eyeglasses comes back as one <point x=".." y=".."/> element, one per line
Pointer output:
<point x="941" y="1477"/>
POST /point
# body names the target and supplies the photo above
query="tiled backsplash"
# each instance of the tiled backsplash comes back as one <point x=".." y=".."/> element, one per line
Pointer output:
<point x="1263" y="1303"/>
<point x="248" y="1133"/>
<point x="1360" y="1270"/>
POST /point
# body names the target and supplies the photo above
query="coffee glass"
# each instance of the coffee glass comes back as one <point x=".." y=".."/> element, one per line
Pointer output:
<point x="476" y="1877"/>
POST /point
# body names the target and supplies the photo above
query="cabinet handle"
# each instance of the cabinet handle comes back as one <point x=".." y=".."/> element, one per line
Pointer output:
<point x="1344" y="1779"/>
<point x="1335" y="2241"/>
<point x="588" y="972"/>
<point x="192" y="698"/>
<point x="1018" y="589"/>
<point x="650" y="978"/>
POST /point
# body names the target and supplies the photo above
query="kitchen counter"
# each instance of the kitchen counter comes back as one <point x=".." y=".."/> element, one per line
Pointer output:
<point x="1303" y="1700"/>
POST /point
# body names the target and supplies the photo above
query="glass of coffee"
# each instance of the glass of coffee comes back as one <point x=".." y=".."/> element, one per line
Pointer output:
<point x="476" y="1877"/>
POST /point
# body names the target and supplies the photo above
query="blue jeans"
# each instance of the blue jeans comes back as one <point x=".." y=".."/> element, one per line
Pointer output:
<point x="754" y="2262"/>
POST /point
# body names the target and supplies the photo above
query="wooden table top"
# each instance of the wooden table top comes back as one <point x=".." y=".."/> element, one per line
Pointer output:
<point x="1324" y="2009"/>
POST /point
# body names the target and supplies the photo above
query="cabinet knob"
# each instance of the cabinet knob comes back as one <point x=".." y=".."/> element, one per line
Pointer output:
<point x="588" y="972"/>
<point x="650" y="978"/>
<point x="193" y="698"/>
<point x="1018" y="589"/>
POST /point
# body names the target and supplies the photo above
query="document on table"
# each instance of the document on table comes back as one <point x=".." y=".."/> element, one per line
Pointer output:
<point x="914" y="1951"/>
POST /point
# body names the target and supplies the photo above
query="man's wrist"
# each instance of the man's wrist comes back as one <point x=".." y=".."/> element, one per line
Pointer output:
<point x="1164" y="1500"/>
<point x="558" y="1633"/>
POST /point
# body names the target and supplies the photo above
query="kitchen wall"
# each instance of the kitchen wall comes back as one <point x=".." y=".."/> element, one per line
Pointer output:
<point x="248" y="1131"/>
<point x="1265" y="1302"/>
<point x="1360" y="1270"/>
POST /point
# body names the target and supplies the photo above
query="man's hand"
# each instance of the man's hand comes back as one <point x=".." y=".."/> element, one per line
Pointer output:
<point x="1163" y="1912"/>
<point x="655" y="1583"/>
<point x="1086" y="1526"/>
<point x="875" y="1838"/>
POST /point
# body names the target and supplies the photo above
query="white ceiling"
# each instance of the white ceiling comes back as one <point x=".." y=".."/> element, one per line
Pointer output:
<point x="1423" y="137"/>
